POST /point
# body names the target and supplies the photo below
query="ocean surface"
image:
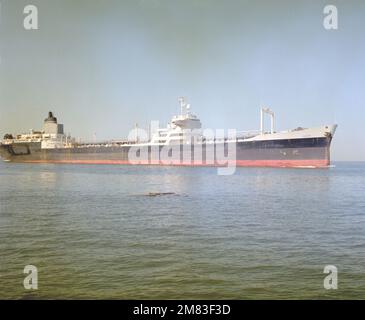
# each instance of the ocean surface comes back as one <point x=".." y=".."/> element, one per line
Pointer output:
<point x="96" y="232"/>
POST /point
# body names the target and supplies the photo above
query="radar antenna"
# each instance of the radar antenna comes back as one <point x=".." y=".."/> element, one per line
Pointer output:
<point x="182" y="102"/>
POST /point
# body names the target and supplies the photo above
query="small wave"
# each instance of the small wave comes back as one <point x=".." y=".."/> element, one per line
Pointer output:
<point x="314" y="167"/>
<point x="306" y="167"/>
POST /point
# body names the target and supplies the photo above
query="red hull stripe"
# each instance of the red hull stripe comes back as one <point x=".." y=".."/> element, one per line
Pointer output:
<point x="238" y="163"/>
<point x="283" y="163"/>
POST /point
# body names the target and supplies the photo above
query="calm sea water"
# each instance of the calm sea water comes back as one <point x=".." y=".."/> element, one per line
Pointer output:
<point x="93" y="232"/>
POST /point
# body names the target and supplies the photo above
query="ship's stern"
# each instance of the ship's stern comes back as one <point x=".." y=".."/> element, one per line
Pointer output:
<point x="5" y="154"/>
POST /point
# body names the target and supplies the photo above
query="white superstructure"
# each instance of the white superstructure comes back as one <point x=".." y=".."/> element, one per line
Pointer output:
<point x="182" y="128"/>
<point x="52" y="136"/>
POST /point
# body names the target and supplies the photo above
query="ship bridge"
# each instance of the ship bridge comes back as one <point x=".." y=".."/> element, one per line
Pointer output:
<point x="182" y="128"/>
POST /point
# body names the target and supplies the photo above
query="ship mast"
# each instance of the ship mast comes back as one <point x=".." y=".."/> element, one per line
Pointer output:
<point x="272" y="116"/>
<point x="136" y="128"/>
<point x="182" y="102"/>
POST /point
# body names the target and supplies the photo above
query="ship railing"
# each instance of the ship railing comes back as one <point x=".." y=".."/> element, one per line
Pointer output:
<point x="105" y="144"/>
<point x="240" y="135"/>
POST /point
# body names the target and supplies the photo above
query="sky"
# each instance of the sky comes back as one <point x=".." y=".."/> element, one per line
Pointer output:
<point x="103" y="66"/>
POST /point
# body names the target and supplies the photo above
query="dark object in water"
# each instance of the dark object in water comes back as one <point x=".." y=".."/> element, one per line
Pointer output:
<point x="155" y="194"/>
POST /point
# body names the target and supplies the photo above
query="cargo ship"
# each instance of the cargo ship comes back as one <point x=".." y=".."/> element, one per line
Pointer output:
<point x="182" y="142"/>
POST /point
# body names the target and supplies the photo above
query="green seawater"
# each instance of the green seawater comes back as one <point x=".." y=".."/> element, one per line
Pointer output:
<point x="95" y="232"/>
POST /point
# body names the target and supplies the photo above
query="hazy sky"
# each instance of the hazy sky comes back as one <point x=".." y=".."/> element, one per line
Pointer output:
<point x="102" y="66"/>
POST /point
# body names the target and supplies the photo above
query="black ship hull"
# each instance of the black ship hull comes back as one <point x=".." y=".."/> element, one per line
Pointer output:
<point x="302" y="152"/>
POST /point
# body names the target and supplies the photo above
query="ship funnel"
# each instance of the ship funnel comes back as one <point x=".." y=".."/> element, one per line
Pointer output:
<point x="51" y="126"/>
<point x="51" y="118"/>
